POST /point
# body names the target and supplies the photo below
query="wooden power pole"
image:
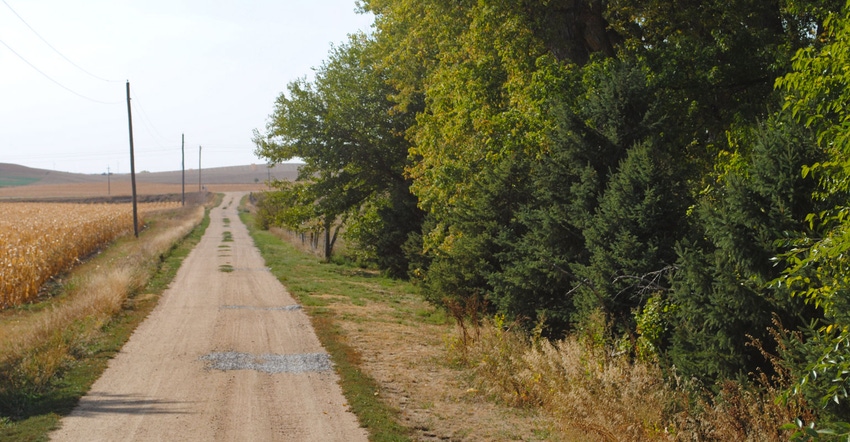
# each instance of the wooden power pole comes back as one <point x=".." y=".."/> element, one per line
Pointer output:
<point x="132" y="165"/>
<point x="183" y="169"/>
<point x="199" y="169"/>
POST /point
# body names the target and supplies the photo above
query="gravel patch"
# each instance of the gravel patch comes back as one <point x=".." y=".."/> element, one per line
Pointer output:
<point x="248" y="307"/>
<point x="269" y="363"/>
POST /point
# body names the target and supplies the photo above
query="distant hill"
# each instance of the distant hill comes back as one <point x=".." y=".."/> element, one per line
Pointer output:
<point x="17" y="175"/>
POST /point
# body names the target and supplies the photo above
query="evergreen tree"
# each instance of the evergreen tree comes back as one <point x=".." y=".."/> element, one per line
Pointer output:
<point x="631" y="235"/>
<point x="722" y="291"/>
<point x="602" y="195"/>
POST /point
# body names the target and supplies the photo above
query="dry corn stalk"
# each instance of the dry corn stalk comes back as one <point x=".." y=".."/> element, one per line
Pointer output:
<point x="40" y="240"/>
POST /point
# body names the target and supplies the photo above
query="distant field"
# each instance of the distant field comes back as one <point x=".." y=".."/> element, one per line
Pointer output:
<point x="8" y="182"/>
<point x="23" y="183"/>
<point x="94" y="190"/>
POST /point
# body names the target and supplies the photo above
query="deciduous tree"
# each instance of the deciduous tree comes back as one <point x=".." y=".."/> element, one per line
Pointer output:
<point x="343" y="126"/>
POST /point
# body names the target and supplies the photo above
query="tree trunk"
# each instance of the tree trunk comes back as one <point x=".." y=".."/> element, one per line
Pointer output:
<point x="328" y="243"/>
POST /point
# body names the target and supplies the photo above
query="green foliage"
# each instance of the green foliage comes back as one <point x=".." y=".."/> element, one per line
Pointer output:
<point x="581" y="158"/>
<point x="488" y="83"/>
<point x="721" y="290"/>
<point x="717" y="59"/>
<point x="817" y="94"/>
<point x="383" y="227"/>
<point x="519" y="156"/>
<point x="539" y="249"/>
<point x="630" y="238"/>
<point x="599" y="216"/>
<point x="290" y="206"/>
<point x="343" y="127"/>
<point x="651" y="324"/>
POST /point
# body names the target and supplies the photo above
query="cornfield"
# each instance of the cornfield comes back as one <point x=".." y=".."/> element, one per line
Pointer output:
<point x="40" y="240"/>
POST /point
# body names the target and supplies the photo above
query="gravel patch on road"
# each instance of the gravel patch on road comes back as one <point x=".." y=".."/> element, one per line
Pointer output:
<point x="269" y="363"/>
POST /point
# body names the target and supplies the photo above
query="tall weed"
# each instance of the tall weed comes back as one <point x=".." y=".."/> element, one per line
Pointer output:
<point x="587" y="384"/>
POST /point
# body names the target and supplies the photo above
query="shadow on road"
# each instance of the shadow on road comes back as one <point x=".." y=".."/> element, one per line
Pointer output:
<point x="100" y="403"/>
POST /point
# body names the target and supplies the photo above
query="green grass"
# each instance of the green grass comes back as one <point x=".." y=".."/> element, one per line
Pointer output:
<point x="38" y="413"/>
<point x="310" y="281"/>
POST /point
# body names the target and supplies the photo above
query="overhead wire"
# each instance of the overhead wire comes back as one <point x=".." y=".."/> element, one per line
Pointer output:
<point x="161" y="140"/>
<point x="150" y="128"/>
<point x="51" y="78"/>
<point x="34" y="67"/>
<point x="52" y="47"/>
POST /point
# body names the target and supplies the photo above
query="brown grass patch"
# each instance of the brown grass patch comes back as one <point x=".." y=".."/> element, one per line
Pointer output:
<point x="607" y="396"/>
<point x="410" y="362"/>
<point x="612" y="397"/>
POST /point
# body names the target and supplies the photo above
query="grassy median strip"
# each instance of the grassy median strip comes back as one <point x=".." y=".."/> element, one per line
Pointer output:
<point x="41" y="383"/>
<point x="313" y="283"/>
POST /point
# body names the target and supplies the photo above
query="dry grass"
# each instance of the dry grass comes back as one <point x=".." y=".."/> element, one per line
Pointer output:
<point x="740" y="413"/>
<point x="612" y="397"/>
<point x="584" y="386"/>
<point x="34" y="345"/>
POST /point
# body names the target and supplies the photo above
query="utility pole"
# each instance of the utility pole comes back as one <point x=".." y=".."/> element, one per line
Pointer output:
<point x="183" y="168"/>
<point x="199" y="168"/>
<point x="108" y="190"/>
<point x="132" y="166"/>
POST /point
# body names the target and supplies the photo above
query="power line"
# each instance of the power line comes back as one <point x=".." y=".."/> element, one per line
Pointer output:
<point x="51" y="79"/>
<point x="157" y="136"/>
<point x="54" y="49"/>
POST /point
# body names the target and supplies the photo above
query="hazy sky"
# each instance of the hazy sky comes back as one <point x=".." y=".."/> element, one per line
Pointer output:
<point x="208" y="68"/>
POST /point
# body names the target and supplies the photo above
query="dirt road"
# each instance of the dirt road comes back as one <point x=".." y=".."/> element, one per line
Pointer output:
<point x="226" y="355"/>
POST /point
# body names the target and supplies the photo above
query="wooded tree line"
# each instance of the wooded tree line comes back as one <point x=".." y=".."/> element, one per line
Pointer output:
<point x="681" y="167"/>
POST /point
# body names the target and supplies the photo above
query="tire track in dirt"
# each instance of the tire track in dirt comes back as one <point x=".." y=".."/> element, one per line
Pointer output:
<point x="223" y="301"/>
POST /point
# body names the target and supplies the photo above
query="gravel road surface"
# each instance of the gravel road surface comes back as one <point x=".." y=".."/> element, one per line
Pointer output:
<point x="226" y="355"/>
